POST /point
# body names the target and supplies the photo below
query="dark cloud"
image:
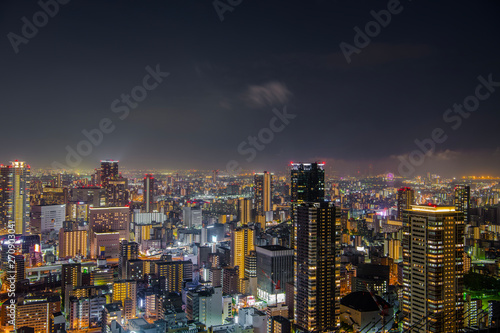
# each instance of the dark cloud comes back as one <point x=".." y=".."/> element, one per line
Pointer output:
<point x="226" y="78"/>
<point x="268" y="94"/>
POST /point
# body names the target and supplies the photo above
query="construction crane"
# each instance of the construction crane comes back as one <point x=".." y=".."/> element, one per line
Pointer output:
<point x="382" y="308"/>
<point x="276" y="285"/>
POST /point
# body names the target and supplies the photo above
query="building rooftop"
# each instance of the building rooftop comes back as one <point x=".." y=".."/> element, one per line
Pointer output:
<point x="362" y="301"/>
<point x="274" y="247"/>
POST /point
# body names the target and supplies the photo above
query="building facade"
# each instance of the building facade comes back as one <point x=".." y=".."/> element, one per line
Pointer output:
<point x="433" y="269"/>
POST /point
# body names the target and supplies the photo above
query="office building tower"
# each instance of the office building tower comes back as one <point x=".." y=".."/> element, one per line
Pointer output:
<point x="317" y="276"/>
<point x="105" y="244"/>
<point x="251" y="273"/>
<point x="192" y="216"/>
<point x="251" y="265"/>
<point x="15" y="197"/>
<point x="244" y="210"/>
<point x="462" y="201"/>
<point x="93" y="196"/>
<point x="77" y="211"/>
<point x="148" y="193"/>
<point x="242" y="243"/>
<point x="307" y="184"/>
<point x="108" y="219"/>
<point x="48" y="217"/>
<point x="125" y="291"/>
<point x="109" y="170"/>
<point x="263" y="193"/>
<point x="275" y="264"/>
<point x="433" y="269"/>
<point x="205" y="305"/>
<point x="406" y="198"/>
<point x="54" y="195"/>
<point x="117" y="194"/>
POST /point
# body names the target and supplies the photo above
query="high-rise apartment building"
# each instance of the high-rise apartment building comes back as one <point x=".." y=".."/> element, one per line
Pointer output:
<point x="245" y="210"/>
<point x="15" y="197"/>
<point x="175" y="272"/>
<point x="433" y="269"/>
<point x="263" y="193"/>
<point x="125" y="291"/>
<point x="230" y="280"/>
<point x="73" y="243"/>
<point x="462" y="201"/>
<point x="109" y="170"/>
<point x="35" y="312"/>
<point x="317" y="276"/>
<point x="406" y="198"/>
<point x="242" y="242"/>
<point x="307" y="185"/>
<point x="148" y="193"/>
<point x="128" y="251"/>
<point x="71" y="277"/>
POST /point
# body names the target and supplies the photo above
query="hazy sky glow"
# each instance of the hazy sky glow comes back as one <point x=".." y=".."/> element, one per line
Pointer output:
<point x="226" y="77"/>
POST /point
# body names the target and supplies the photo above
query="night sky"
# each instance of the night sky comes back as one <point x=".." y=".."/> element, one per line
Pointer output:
<point x="226" y="77"/>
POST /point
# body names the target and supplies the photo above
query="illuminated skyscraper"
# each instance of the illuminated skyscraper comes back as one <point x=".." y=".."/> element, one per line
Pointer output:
<point x="117" y="194"/>
<point x="109" y="170"/>
<point x="148" y="193"/>
<point x="406" y="198"/>
<point x="275" y="264"/>
<point x="462" y="201"/>
<point x="242" y="242"/>
<point x="433" y="247"/>
<point x="15" y="197"/>
<point x="263" y="183"/>
<point x="307" y="185"/>
<point x="245" y="210"/>
<point x="317" y="276"/>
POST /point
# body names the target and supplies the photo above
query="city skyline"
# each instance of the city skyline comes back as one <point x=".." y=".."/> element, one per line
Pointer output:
<point x="229" y="166"/>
